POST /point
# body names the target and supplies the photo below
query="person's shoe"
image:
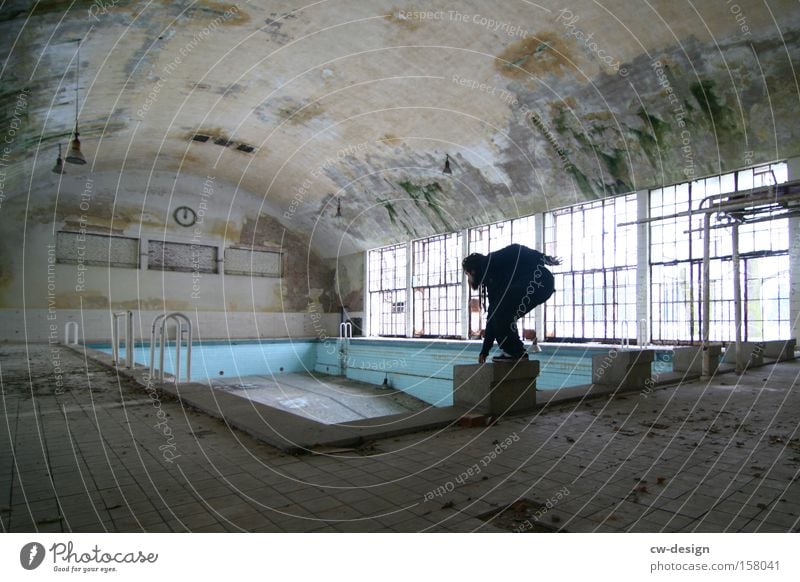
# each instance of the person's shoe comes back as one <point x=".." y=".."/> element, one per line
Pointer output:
<point x="504" y="357"/>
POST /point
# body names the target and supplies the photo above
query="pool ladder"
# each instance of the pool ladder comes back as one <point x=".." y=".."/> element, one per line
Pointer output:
<point x="641" y="329"/>
<point x="116" y="338"/>
<point x="345" y="333"/>
<point x="158" y="334"/>
<point x="625" y="340"/>
<point x="71" y="329"/>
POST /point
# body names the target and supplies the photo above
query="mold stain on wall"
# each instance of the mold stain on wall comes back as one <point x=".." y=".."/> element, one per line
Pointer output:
<point x="651" y="137"/>
<point x="217" y="11"/>
<point x="718" y="113"/>
<point x="391" y="139"/>
<point x="535" y="56"/>
<point x="397" y="18"/>
<point x="395" y="219"/>
<point x="297" y="113"/>
<point x="424" y="197"/>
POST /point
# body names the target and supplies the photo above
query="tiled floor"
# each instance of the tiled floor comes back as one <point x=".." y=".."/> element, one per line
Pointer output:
<point x="105" y="456"/>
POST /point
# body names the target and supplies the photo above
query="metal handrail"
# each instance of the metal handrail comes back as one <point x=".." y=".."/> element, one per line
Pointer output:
<point x="158" y="332"/>
<point x="67" y="327"/>
<point x="643" y="338"/>
<point x="115" y="337"/>
<point x="156" y="320"/>
<point x="345" y="333"/>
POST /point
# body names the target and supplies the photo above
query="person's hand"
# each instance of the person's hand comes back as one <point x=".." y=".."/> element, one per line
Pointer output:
<point x="481" y="359"/>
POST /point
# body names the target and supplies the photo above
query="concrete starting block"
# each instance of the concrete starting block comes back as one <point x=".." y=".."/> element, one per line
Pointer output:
<point x="689" y="359"/>
<point x="497" y="388"/>
<point x="623" y="369"/>
<point x="752" y="354"/>
<point x="780" y="350"/>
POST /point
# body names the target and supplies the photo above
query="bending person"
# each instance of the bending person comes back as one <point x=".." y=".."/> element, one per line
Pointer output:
<point x="515" y="279"/>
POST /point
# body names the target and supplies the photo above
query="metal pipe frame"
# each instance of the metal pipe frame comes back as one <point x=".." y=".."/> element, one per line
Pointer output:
<point x="737" y="297"/>
<point x="791" y="195"/>
<point x="775" y="194"/>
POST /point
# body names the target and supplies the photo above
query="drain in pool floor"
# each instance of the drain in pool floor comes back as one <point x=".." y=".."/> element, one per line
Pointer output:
<point x="523" y="516"/>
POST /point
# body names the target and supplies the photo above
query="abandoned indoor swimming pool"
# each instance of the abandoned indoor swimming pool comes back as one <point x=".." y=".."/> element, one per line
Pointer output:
<point x="348" y="390"/>
<point x="292" y="373"/>
<point x="248" y="253"/>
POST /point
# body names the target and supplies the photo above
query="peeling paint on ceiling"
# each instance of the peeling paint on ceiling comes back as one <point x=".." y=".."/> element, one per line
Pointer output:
<point x="363" y="100"/>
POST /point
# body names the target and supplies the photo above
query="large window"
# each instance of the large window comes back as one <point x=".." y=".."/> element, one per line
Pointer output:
<point x="436" y="281"/>
<point x="595" y="296"/>
<point x="417" y="289"/>
<point x="677" y="255"/>
<point x="387" y="284"/>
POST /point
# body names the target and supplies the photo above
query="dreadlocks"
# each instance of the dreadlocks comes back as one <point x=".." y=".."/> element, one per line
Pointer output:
<point x="475" y="265"/>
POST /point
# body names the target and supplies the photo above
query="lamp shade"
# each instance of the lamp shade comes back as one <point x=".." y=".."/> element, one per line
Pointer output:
<point x="74" y="155"/>
<point x="59" y="167"/>
<point x="446" y="169"/>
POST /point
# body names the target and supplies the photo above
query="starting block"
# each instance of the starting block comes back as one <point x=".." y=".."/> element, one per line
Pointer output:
<point x="497" y="388"/>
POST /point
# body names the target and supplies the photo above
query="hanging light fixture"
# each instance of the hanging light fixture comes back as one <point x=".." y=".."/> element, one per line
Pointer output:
<point x="59" y="167"/>
<point x="74" y="155"/>
<point x="447" y="169"/>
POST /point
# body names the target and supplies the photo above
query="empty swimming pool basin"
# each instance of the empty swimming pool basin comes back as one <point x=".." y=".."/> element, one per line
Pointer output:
<point x="321" y="398"/>
<point x="421" y="368"/>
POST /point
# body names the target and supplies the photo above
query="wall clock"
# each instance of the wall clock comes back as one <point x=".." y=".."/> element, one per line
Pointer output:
<point x="185" y="216"/>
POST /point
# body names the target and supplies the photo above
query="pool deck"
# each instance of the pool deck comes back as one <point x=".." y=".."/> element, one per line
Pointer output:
<point x="104" y="455"/>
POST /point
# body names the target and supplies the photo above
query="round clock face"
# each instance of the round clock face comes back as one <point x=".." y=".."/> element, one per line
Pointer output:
<point x="185" y="216"/>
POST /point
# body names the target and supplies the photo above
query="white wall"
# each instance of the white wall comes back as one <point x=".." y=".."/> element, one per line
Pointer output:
<point x="42" y="325"/>
<point x="34" y="287"/>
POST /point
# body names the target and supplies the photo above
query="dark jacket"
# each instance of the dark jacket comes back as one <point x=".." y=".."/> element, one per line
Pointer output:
<point x="509" y="275"/>
<point x="512" y="265"/>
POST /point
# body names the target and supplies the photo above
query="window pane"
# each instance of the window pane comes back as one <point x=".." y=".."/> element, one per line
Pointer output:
<point x="387" y="291"/>
<point x="676" y="263"/>
<point x="436" y="279"/>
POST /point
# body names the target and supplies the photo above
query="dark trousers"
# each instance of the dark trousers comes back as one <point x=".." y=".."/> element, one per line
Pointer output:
<point x="511" y="303"/>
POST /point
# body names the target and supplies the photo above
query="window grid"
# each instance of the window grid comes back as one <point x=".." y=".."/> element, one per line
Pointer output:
<point x="387" y="291"/>
<point x="767" y="298"/>
<point x="436" y="281"/>
<point x="596" y="288"/>
<point x="677" y="254"/>
<point x="595" y="296"/>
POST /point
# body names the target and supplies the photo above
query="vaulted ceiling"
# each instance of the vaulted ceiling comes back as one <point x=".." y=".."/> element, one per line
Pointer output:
<point x="360" y="101"/>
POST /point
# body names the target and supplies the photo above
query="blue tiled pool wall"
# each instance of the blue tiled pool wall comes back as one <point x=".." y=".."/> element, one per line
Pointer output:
<point x="422" y="369"/>
<point x="425" y="369"/>
<point x="235" y="358"/>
